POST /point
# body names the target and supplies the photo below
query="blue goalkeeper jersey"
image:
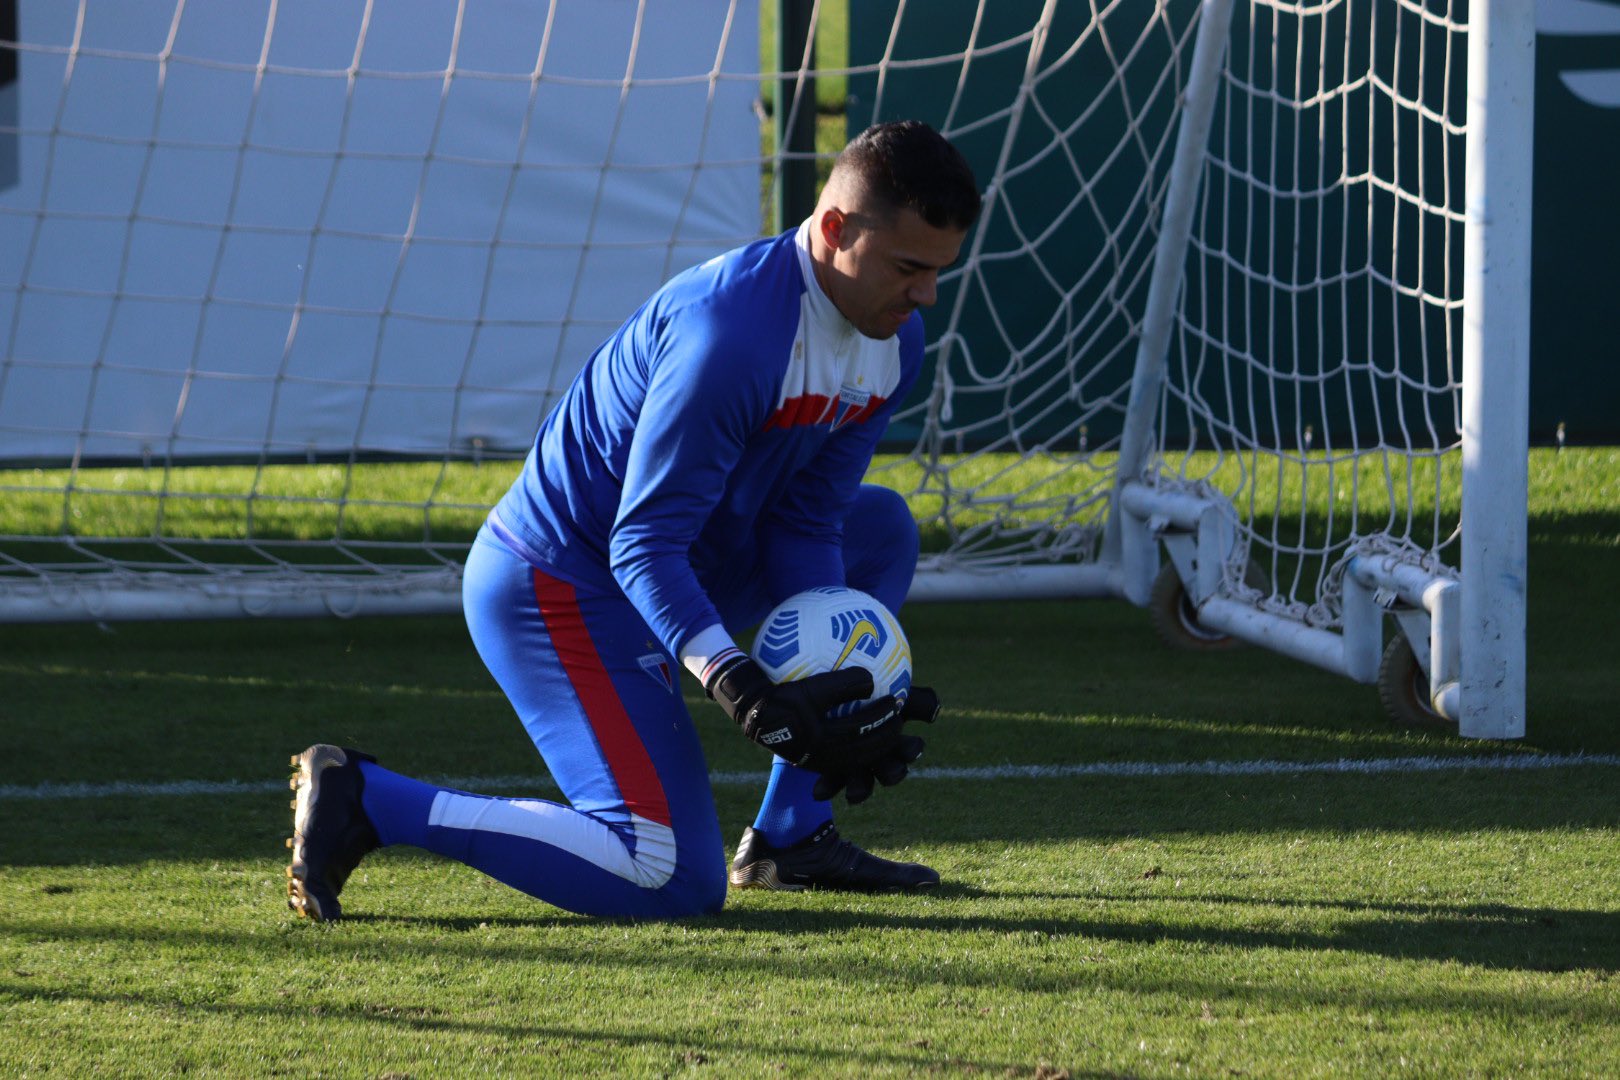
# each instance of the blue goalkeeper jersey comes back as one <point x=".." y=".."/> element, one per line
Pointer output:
<point x="730" y="419"/>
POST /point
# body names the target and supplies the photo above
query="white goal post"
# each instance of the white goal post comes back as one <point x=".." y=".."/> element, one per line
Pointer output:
<point x="1242" y="335"/>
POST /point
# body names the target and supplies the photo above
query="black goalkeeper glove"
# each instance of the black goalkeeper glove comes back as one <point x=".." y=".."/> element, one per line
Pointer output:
<point x="790" y="719"/>
<point x="886" y="754"/>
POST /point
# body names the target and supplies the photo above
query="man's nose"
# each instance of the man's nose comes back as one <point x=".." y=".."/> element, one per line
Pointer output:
<point x="925" y="291"/>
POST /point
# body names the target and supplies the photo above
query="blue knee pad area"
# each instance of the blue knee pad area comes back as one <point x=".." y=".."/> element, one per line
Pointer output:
<point x="575" y="861"/>
<point x="638" y="836"/>
<point x="881" y="546"/>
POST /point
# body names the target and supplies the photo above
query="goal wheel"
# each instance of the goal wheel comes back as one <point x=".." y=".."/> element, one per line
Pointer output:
<point x="1404" y="688"/>
<point x="1175" y="619"/>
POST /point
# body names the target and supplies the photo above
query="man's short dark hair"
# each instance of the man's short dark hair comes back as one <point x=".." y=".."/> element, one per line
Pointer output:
<point x="907" y="165"/>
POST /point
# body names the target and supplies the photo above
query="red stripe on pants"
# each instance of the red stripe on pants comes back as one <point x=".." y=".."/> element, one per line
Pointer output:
<point x="627" y="759"/>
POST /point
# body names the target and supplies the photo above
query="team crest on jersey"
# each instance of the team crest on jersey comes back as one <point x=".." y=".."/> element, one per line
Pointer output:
<point x="859" y="630"/>
<point x="657" y="668"/>
<point x="851" y="400"/>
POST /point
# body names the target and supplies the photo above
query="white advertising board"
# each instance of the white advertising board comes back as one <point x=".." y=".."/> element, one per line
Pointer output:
<point x="324" y="227"/>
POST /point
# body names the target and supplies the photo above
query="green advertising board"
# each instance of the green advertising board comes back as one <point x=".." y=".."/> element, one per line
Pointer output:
<point x="1061" y="273"/>
<point x="1574" y="347"/>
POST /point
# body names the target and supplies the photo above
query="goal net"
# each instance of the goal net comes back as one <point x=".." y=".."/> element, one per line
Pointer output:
<point x="285" y="288"/>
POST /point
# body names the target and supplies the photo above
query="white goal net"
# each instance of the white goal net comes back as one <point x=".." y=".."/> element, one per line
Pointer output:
<point x="286" y="286"/>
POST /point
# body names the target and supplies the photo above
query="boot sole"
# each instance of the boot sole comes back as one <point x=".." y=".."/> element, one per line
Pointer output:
<point x="306" y="782"/>
<point x="761" y="875"/>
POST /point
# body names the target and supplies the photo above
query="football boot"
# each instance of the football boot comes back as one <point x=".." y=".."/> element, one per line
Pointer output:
<point x="823" y="860"/>
<point x="331" y="832"/>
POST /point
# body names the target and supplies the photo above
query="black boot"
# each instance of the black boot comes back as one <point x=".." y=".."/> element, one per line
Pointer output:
<point x="822" y="861"/>
<point x="331" y="832"/>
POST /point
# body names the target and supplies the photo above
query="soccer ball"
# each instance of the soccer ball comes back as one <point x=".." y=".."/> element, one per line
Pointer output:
<point x="835" y="627"/>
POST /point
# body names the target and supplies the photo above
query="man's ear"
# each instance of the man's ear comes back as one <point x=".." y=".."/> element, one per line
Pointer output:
<point x="835" y="228"/>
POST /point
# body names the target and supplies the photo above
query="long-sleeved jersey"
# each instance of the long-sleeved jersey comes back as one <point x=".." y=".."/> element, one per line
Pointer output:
<point x="735" y="412"/>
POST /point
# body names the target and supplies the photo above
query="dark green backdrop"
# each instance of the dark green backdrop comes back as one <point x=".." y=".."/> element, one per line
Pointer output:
<point x="1577" y="227"/>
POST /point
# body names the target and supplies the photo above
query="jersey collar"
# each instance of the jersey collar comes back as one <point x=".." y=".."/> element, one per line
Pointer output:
<point x="821" y="308"/>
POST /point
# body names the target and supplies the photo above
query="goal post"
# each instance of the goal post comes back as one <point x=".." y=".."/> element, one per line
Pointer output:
<point x="1496" y="369"/>
<point x="1242" y="335"/>
<point x="1467" y="630"/>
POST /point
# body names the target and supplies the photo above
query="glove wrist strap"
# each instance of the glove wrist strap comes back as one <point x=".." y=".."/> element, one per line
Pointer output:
<point x="736" y="685"/>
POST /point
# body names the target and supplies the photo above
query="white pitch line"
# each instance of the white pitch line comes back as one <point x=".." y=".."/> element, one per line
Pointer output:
<point x="1105" y="770"/>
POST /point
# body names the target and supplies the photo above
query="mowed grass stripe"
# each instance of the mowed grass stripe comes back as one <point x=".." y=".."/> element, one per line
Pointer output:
<point x="1107" y="770"/>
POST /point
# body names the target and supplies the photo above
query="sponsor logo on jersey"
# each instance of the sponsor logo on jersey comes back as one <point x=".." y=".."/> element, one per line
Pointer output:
<point x="656" y="665"/>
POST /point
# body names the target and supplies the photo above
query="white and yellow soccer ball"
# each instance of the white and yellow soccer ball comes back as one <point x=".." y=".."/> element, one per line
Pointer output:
<point x="831" y="628"/>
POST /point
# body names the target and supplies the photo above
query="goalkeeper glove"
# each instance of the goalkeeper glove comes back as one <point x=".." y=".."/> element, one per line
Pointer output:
<point x="886" y="755"/>
<point x="789" y="719"/>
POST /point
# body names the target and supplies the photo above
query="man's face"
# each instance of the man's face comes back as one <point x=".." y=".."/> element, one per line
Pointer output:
<point x="882" y="271"/>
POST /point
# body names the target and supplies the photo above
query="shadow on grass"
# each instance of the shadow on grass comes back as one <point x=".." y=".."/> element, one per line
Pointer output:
<point x="431" y="1020"/>
<point x="1052" y="951"/>
<point x="1498" y="936"/>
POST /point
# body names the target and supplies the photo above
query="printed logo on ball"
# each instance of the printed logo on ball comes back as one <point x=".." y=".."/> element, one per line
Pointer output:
<point x="858" y="629"/>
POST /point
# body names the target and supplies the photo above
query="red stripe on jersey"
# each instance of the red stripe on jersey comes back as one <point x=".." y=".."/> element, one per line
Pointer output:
<point x="808" y="410"/>
<point x="626" y="755"/>
<point x="801" y="411"/>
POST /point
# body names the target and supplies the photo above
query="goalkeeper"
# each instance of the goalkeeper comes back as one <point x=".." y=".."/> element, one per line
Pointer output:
<point x="705" y="464"/>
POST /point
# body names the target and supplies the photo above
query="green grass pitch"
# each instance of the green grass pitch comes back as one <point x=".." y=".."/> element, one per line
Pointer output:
<point x="1460" y="922"/>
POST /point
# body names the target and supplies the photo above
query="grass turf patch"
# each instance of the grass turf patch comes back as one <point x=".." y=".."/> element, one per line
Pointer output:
<point x="1443" y="923"/>
<point x="1455" y="923"/>
<point x="1119" y="927"/>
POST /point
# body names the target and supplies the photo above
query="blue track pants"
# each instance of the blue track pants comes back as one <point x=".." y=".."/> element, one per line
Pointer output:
<point x="638" y="835"/>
